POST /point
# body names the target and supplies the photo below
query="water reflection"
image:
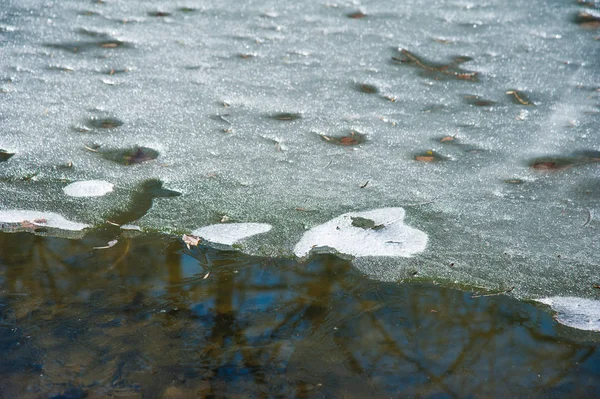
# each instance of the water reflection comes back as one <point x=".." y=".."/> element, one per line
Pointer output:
<point x="149" y="318"/>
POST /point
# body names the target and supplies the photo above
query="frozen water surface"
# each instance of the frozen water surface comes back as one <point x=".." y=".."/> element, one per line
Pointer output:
<point x="480" y="119"/>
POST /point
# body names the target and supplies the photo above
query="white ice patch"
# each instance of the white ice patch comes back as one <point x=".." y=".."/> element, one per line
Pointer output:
<point x="42" y="219"/>
<point x="388" y="235"/>
<point x="230" y="233"/>
<point x="88" y="188"/>
<point x="580" y="313"/>
<point x="131" y="227"/>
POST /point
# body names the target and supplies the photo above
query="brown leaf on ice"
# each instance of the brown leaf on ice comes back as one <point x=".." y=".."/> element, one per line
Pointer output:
<point x="190" y="240"/>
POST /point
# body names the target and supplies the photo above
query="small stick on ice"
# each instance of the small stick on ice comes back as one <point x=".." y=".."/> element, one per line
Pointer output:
<point x="493" y="294"/>
<point x="89" y="148"/>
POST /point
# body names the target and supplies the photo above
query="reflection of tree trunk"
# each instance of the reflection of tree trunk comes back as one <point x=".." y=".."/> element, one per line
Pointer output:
<point x="18" y="251"/>
<point x="177" y="295"/>
<point x="225" y="333"/>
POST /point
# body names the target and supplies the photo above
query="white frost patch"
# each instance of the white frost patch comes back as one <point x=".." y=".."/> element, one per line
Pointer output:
<point x="88" y="188"/>
<point x="580" y="313"/>
<point x="230" y="233"/>
<point x="42" y="219"/>
<point x="388" y="236"/>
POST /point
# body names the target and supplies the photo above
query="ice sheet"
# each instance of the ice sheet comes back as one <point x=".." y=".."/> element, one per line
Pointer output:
<point x="480" y="119"/>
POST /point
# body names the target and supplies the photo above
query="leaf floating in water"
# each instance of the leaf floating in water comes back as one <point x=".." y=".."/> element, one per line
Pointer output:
<point x="354" y="138"/>
<point x="5" y="156"/>
<point x="450" y="70"/>
<point x="130" y="156"/>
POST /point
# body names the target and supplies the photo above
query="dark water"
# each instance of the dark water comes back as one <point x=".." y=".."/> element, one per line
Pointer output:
<point x="150" y="318"/>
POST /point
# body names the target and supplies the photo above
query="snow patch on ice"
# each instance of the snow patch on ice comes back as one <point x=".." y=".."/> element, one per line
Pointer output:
<point x="580" y="313"/>
<point x="88" y="188"/>
<point x="386" y="235"/>
<point x="230" y="233"/>
<point x="42" y="219"/>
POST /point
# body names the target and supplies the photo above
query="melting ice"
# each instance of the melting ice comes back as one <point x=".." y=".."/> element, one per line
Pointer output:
<point x="379" y="232"/>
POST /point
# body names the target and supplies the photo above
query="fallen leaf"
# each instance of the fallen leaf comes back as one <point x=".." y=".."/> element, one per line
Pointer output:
<point x="425" y="158"/>
<point x="356" y="15"/>
<point x="191" y="240"/>
<point x="26" y="224"/>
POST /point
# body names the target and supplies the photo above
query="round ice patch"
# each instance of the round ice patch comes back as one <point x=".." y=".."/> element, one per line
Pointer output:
<point x="88" y="188"/>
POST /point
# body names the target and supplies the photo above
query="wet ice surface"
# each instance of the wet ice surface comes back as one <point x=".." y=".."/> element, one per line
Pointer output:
<point x="448" y="105"/>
